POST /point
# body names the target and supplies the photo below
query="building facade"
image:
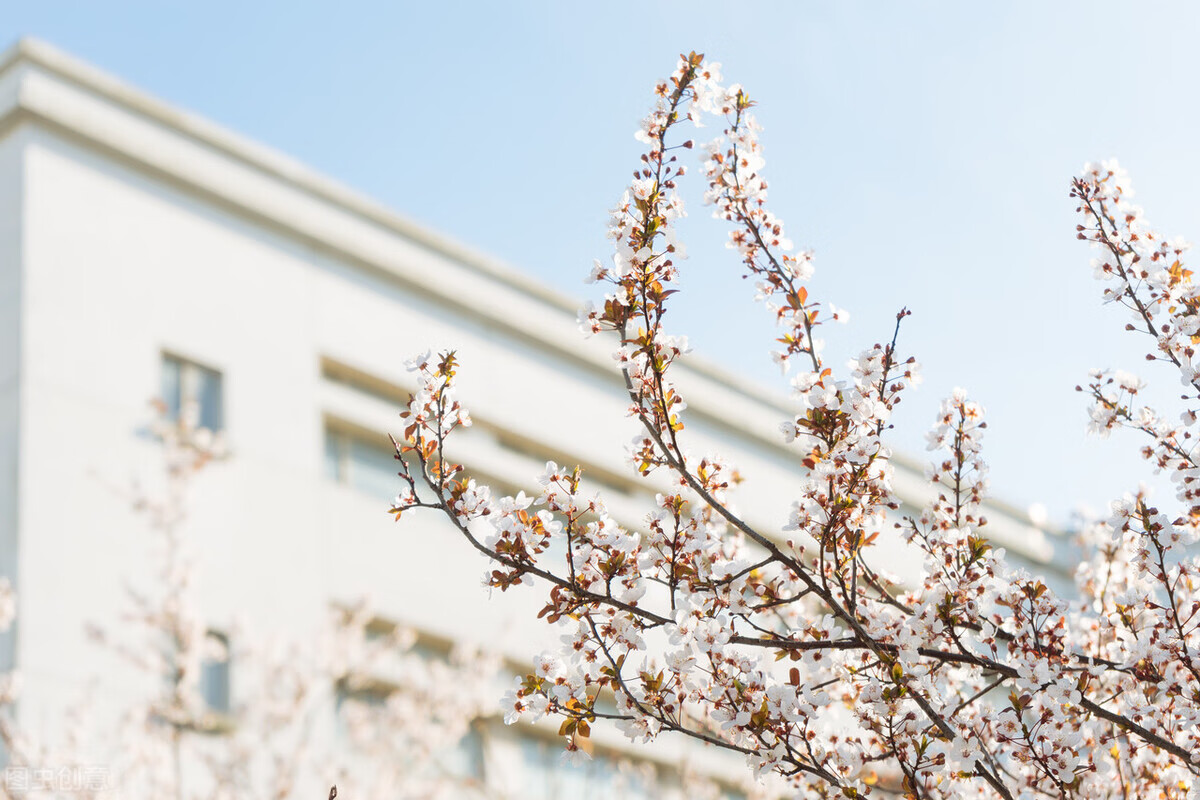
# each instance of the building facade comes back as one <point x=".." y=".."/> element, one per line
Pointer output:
<point x="145" y="252"/>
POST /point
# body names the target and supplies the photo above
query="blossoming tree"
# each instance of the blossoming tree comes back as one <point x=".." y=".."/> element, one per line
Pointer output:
<point x="401" y="711"/>
<point x="791" y="646"/>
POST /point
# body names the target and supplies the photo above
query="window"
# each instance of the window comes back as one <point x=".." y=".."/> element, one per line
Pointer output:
<point x="188" y="387"/>
<point x="214" y="673"/>
<point x="391" y="395"/>
<point x="367" y="465"/>
<point x="366" y="461"/>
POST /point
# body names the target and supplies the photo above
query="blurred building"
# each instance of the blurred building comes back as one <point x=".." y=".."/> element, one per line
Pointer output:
<point x="146" y="252"/>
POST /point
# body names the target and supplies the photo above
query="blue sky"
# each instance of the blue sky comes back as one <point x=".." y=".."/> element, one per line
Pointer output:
<point x="923" y="150"/>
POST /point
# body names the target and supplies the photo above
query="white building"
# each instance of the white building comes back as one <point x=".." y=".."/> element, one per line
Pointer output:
<point x="140" y="244"/>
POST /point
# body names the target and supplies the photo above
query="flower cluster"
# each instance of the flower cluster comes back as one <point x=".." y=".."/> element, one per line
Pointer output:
<point x="794" y="647"/>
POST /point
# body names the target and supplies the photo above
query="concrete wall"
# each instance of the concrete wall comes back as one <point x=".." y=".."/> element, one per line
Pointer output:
<point x="12" y="186"/>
